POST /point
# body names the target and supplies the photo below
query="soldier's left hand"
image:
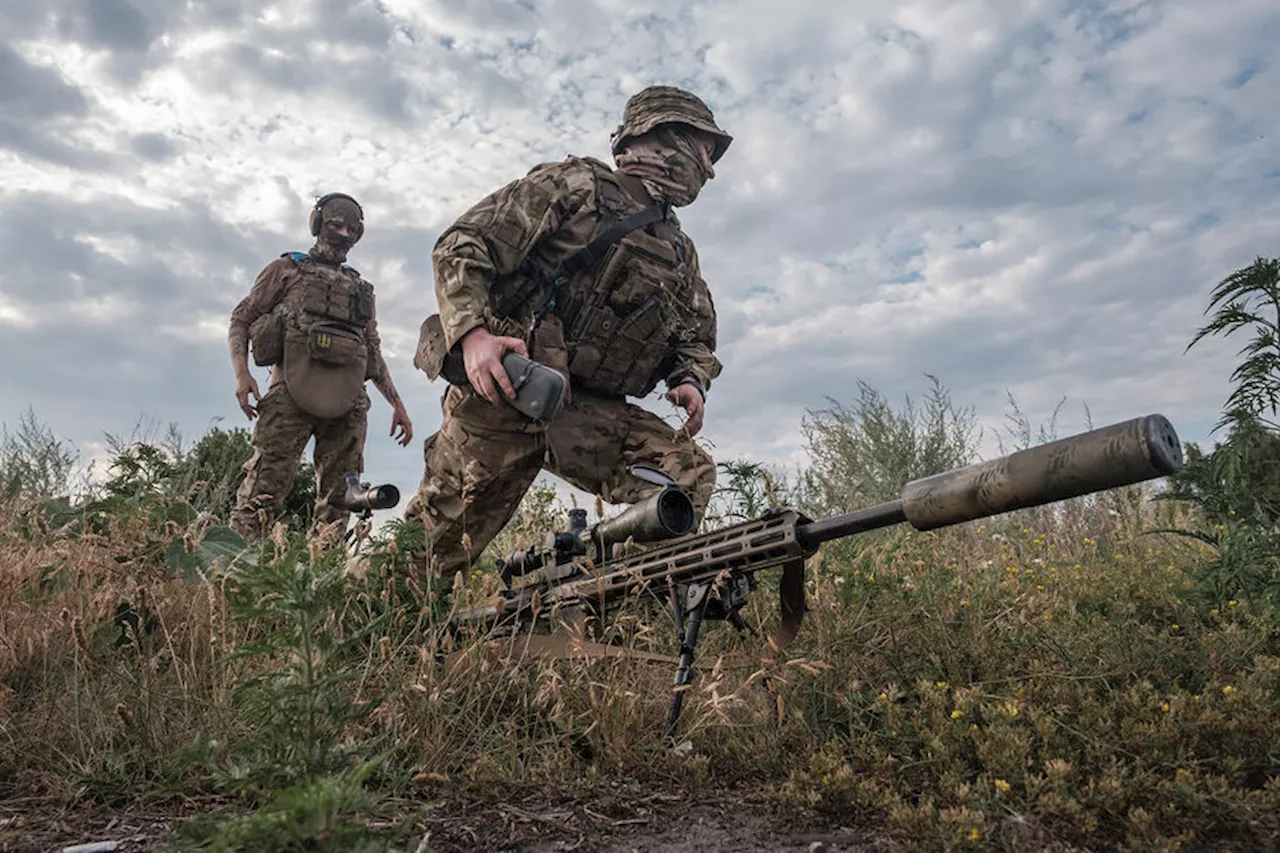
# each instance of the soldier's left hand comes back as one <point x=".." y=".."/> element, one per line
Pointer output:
<point x="688" y="398"/>
<point x="400" y="420"/>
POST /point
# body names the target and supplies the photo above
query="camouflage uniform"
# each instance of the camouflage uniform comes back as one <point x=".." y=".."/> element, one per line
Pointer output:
<point x="640" y="316"/>
<point x="305" y="398"/>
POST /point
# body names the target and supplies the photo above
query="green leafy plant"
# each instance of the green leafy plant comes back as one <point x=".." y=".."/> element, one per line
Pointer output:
<point x="1236" y="487"/>
<point x="34" y="463"/>
<point x="865" y="452"/>
<point x="304" y="694"/>
<point x="1249" y="299"/>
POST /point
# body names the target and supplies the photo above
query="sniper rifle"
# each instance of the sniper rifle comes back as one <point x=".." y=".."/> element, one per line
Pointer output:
<point x="589" y="570"/>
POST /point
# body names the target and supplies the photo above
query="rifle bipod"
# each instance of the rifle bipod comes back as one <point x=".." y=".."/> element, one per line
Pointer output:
<point x="691" y="604"/>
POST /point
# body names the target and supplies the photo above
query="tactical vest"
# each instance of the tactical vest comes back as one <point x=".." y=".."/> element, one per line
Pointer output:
<point x="625" y="316"/>
<point x="325" y="354"/>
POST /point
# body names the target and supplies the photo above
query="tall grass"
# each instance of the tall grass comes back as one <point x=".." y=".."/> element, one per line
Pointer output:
<point x="1044" y="678"/>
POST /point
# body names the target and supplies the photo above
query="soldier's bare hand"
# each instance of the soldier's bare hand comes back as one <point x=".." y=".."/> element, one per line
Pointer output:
<point x="688" y="398"/>
<point x="400" y="421"/>
<point x="482" y="354"/>
<point x="246" y="385"/>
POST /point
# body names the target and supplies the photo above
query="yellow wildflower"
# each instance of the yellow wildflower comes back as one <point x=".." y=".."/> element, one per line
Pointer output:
<point x="1002" y="786"/>
<point x="1228" y="690"/>
<point x="957" y="714"/>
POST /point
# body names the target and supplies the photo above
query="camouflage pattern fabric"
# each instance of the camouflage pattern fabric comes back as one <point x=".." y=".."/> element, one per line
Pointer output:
<point x="658" y="105"/>
<point x="484" y="458"/>
<point x="491" y="265"/>
<point x="640" y="315"/>
<point x="279" y="436"/>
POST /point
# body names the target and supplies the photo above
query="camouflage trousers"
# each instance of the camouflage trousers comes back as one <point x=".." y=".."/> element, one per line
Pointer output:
<point x="484" y="458"/>
<point x="279" y="437"/>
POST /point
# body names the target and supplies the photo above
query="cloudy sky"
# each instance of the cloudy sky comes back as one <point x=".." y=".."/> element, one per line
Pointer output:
<point x="1028" y="197"/>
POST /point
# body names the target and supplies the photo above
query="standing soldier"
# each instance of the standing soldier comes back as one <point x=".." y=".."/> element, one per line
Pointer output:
<point x="585" y="268"/>
<point x="312" y="319"/>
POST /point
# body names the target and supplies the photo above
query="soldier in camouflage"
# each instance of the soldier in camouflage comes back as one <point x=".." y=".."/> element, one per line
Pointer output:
<point x="312" y="319"/>
<point x="626" y="314"/>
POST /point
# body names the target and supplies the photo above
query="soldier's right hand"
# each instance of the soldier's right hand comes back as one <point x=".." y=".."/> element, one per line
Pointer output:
<point x="482" y="354"/>
<point x="246" y="385"/>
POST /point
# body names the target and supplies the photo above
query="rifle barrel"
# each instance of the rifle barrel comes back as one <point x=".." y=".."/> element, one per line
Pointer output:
<point x="814" y="533"/>
<point x="1118" y="455"/>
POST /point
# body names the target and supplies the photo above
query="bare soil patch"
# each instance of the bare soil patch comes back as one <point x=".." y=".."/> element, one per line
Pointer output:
<point x="607" y="822"/>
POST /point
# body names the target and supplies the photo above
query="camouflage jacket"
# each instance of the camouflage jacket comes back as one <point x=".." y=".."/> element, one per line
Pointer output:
<point x="281" y="287"/>
<point x="493" y="265"/>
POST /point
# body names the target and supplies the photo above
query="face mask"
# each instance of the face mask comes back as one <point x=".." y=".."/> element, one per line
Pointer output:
<point x="331" y="242"/>
<point x="671" y="162"/>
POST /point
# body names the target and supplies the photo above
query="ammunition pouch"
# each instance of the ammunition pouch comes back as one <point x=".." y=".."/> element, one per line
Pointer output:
<point x="620" y="336"/>
<point x="266" y="339"/>
<point x="354" y="308"/>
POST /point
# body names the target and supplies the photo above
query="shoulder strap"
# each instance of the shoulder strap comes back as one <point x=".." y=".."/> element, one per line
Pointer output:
<point x="593" y="252"/>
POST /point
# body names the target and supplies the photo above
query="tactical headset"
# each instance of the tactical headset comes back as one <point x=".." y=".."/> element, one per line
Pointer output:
<point x="316" y="220"/>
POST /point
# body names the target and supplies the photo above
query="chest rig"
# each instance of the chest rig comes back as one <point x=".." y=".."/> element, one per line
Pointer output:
<point x="624" y="309"/>
<point x="325" y="316"/>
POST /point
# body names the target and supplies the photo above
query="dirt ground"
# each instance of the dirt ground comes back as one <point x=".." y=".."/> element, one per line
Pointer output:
<point x="608" y="822"/>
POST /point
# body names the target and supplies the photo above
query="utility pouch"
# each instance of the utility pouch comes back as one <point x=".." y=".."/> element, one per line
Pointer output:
<point x="324" y="369"/>
<point x="362" y="304"/>
<point x="547" y="345"/>
<point x="541" y="391"/>
<point x="333" y="345"/>
<point x="266" y="338"/>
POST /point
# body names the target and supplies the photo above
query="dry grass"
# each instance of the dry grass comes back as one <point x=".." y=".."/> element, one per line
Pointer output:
<point x="1048" y="676"/>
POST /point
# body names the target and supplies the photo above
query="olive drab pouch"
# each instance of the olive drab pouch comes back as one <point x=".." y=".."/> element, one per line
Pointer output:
<point x="541" y="391"/>
<point x="266" y="338"/>
<point x="433" y="358"/>
<point x="324" y="368"/>
<point x="333" y="344"/>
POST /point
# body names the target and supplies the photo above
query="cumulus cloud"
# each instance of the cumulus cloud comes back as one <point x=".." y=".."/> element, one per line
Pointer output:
<point x="1015" y="197"/>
